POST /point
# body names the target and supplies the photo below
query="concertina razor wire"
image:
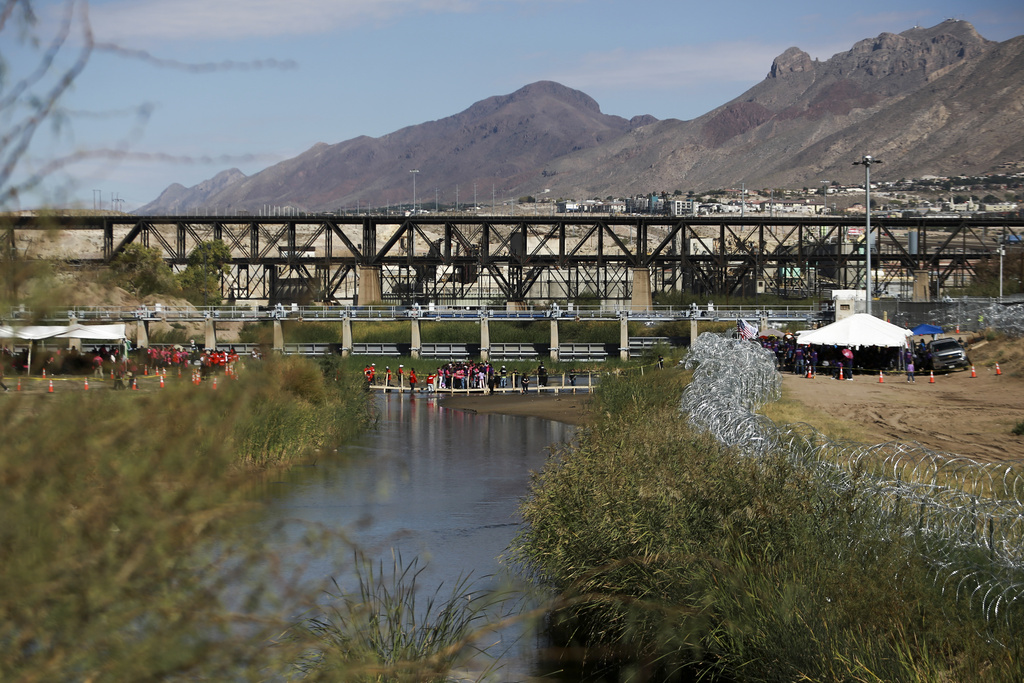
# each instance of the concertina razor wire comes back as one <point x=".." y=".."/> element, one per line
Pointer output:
<point x="968" y="516"/>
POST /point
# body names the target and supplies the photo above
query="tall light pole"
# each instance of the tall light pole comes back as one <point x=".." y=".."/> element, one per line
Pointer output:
<point x="824" y="196"/>
<point x="414" y="172"/>
<point x="866" y="163"/>
<point x="1002" y="251"/>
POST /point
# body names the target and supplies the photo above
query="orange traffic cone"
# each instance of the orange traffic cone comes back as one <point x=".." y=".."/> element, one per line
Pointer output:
<point x="135" y="384"/>
<point x="19" y="385"/>
<point x="161" y="381"/>
<point x="145" y="370"/>
<point x="931" y="377"/>
<point x="998" y="371"/>
<point x="958" y="329"/>
<point x="214" y="382"/>
<point x="87" y="384"/>
<point x="51" y="385"/>
<point x="44" y="373"/>
<point x="810" y="374"/>
<point x="973" y="373"/>
<point x="840" y="372"/>
<point x="881" y="380"/>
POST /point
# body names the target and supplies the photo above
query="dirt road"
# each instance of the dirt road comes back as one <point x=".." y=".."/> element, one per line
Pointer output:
<point x="973" y="417"/>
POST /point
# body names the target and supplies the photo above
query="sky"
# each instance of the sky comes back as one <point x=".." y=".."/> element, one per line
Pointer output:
<point x="175" y="91"/>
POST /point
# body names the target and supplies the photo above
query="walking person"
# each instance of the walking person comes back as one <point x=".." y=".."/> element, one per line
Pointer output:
<point x="910" y="371"/>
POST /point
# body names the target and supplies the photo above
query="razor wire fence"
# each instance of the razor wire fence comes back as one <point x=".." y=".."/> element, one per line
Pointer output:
<point x="967" y="516"/>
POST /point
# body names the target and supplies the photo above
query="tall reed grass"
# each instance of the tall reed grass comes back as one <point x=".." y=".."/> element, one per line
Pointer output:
<point x="680" y="560"/>
<point x="108" y="497"/>
<point x="390" y="630"/>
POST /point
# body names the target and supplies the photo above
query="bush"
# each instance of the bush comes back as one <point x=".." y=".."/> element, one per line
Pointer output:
<point x="124" y="549"/>
<point x="674" y="557"/>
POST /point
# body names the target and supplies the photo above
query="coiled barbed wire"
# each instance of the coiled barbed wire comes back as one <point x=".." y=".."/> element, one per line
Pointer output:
<point x="968" y="516"/>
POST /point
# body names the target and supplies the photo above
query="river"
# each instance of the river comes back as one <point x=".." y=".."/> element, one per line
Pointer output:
<point x="434" y="484"/>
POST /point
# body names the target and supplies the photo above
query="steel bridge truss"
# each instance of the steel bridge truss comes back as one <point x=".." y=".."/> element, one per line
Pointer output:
<point x="459" y="259"/>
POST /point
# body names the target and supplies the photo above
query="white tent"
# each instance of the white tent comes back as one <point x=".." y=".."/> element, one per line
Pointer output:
<point x="114" y="332"/>
<point x="860" y="329"/>
<point x="94" y="332"/>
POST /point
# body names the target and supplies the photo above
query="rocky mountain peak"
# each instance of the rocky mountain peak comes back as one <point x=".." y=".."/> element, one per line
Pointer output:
<point x="793" y="60"/>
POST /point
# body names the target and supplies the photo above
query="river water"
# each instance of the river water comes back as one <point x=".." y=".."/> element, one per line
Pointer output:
<point x="438" y="485"/>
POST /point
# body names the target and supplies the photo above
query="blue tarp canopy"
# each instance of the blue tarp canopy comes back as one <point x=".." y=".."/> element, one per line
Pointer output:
<point x="927" y="329"/>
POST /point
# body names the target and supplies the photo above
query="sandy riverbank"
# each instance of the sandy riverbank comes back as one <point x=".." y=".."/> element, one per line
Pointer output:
<point x="568" y="408"/>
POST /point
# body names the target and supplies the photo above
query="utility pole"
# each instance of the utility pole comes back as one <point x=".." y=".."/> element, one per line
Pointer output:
<point x="866" y="163"/>
<point x="414" y="172"/>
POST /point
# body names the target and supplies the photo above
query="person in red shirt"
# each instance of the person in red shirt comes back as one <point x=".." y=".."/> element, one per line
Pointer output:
<point x="412" y="379"/>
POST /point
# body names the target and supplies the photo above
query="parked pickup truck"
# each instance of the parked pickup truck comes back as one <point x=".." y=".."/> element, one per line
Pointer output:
<point x="947" y="353"/>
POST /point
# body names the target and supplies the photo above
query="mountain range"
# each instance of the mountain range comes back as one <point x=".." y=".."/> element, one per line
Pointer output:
<point x="928" y="101"/>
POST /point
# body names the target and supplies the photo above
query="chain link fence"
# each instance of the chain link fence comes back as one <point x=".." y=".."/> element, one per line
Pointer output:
<point x="968" y="516"/>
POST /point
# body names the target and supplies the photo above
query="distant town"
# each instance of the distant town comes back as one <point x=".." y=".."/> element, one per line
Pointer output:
<point x="996" y="193"/>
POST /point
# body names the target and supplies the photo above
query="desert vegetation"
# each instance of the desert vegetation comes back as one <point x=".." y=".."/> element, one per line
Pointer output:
<point x="675" y="558"/>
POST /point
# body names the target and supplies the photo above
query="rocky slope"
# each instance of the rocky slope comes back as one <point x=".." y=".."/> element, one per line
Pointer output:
<point x="940" y="101"/>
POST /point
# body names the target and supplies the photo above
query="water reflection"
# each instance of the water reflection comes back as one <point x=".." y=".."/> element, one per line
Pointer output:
<point x="440" y="484"/>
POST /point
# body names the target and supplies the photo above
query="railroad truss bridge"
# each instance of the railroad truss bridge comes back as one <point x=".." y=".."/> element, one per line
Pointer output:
<point x="486" y="260"/>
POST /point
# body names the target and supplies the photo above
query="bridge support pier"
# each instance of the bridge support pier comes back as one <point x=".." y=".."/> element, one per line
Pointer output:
<point x="921" y="286"/>
<point x="624" y="337"/>
<point x="74" y="342"/>
<point x="554" y="341"/>
<point x="693" y="330"/>
<point x="278" y="336"/>
<point x="414" y="351"/>
<point x="142" y="334"/>
<point x="346" y="337"/>
<point x="368" y="288"/>
<point x="211" y="334"/>
<point x="485" y="339"/>
<point x="641" y="299"/>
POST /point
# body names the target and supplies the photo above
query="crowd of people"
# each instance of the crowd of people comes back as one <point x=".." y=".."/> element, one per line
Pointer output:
<point x="117" y="362"/>
<point x="833" y="360"/>
<point x="459" y="375"/>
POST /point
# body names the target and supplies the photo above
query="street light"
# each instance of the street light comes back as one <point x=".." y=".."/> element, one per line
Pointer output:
<point x="1002" y="251"/>
<point x="866" y="163"/>
<point x="414" y="172"/>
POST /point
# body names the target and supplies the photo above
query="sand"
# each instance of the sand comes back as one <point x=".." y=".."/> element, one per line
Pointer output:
<point x="568" y="408"/>
<point x="972" y="417"/>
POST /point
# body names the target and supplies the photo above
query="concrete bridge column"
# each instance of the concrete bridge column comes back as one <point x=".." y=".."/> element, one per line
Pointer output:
<point x="554" y="340"/>
<point x="278" y="336"/>
<point x="641" y="299"/>
<point x="485" y="339"/>
<point x="368" y="288"/>
<point x="922" y="291"/>
<point x="416" y="342"/>
<point x="74" y="342"/>
<point x="142" y="334"/>
<point x="211" y="334"/>
<point x="624" y="337"/>
<point x="693" y="330"/>
<point x="346" y="337"/>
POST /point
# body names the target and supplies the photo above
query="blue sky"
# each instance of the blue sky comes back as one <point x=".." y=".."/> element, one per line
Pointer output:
<point x="188" y="88"/>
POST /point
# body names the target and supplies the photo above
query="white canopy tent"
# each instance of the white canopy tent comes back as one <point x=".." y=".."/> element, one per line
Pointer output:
<point x="93" y="332"/>
<point x="33" y="333"/>
<point x="857" y="330"/>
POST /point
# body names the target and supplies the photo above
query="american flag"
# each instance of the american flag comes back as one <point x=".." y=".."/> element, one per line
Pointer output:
<point x="745" y="329"/>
